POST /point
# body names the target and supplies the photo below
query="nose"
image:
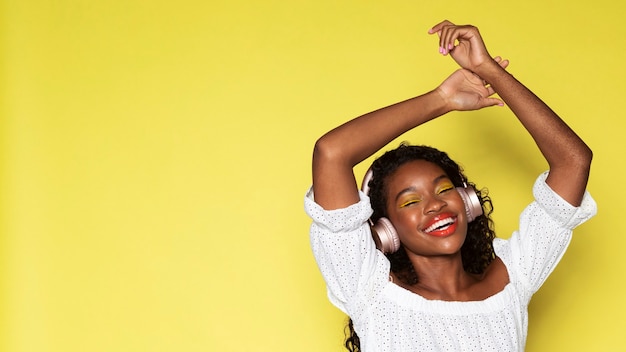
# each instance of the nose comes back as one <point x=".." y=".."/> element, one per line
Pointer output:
<point x="434" y="204"/>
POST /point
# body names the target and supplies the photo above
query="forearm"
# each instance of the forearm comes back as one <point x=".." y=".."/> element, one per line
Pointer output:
<point x="361" y="137"/>
<point x="339" y="150"/>
<point x="568" y="157"/>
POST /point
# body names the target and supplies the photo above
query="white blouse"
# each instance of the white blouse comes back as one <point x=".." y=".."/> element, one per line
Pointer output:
<point x="388" y="317"/>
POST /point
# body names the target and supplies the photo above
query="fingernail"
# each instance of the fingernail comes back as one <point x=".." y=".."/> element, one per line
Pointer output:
<point x="450" y="46"/>
<point x="440" y="50"/>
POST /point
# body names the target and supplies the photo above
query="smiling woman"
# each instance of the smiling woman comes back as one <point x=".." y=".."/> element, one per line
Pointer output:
<point x="448" y="284"/>
<point x="477" y="250"/>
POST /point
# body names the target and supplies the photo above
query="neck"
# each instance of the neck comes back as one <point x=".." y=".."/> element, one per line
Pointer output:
<point x="441" y="277"/>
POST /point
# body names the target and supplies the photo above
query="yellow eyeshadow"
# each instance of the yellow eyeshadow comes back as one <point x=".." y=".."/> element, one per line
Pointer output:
<point x="409" y="202"/>
<point x="445" y="187"/>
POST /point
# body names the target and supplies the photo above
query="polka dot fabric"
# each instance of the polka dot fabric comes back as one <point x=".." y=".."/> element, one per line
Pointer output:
<point x="390" y="318"/>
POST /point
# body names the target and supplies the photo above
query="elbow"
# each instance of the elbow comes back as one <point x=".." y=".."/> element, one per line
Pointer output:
<point x="576" y="160"/>
<point x="581" y="159"/>
<point x="326" y="149"/>
<point x="586" y="156"/>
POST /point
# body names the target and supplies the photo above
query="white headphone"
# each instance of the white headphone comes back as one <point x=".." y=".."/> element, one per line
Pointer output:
<point x="387" y="234"/>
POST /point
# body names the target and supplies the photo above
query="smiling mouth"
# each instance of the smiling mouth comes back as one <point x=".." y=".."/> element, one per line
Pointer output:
<point x="440" y="225"/>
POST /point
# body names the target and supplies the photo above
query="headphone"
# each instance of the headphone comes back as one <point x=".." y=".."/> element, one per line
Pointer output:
<point x="387" y="234"/>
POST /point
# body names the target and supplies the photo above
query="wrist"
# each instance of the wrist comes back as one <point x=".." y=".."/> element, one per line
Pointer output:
<point x="441" y="101"/>
<point x="489" y="71"/>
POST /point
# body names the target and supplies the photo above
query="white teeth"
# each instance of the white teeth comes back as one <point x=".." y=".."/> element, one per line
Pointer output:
<point x="440" y="223"/>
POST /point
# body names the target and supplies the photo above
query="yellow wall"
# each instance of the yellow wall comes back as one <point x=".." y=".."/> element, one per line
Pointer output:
<point x="154" y="155"/>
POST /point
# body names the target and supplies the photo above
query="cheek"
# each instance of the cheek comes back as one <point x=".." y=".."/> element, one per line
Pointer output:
<point x="405" y="222"/>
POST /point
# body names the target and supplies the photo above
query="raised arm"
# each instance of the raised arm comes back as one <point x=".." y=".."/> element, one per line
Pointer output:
<point x="338" y="151"/>
<point x="568" y="157"/>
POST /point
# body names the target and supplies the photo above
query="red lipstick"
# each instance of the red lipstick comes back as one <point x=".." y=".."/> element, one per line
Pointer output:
<point x="441" y="225"/>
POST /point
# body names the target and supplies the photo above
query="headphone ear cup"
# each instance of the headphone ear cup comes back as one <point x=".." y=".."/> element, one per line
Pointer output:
<point x="383" y="229"/>
<point x="389" y="240"/>
<point x="473" y="209"/>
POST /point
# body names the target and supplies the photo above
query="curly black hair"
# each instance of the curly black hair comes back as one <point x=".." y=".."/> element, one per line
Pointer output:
<point x="477" y="250"/>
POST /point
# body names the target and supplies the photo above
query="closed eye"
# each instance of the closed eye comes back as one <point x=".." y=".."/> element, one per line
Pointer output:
<point x="410" y="202"/>
<point x="446" y="189"/>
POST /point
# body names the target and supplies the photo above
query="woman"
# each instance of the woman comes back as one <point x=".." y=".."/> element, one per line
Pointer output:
<point x="446" y="284"/>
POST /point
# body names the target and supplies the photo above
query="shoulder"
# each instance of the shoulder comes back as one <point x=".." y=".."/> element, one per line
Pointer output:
<point x="338" y="220"/>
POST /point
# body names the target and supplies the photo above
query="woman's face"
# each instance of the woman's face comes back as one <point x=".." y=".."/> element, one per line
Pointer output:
<point x="425" y="209"/>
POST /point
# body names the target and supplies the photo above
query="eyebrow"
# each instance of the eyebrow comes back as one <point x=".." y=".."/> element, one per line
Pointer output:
<point x="411" y="188"/>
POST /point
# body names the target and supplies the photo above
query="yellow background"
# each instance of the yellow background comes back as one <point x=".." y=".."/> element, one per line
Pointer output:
<point x="154" y="156"/>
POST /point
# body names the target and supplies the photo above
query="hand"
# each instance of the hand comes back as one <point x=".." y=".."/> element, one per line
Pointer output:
<point x="469" y="52"/>
<point x="464" y="90"/>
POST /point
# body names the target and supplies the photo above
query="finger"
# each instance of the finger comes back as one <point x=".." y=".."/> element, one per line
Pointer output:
<point x="442" y="29"/>
<point x="462" y="34"/>
<point x="503" y="63"/>
<point x="436" y="28"/>
<point x="493" y="102"/>
<point x="453" y="36"/>
<point x="447" y="37"/>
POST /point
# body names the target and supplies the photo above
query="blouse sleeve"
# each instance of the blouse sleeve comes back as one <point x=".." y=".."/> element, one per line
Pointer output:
<point x="345" y="252"/>
<point x="545" y="231"/>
